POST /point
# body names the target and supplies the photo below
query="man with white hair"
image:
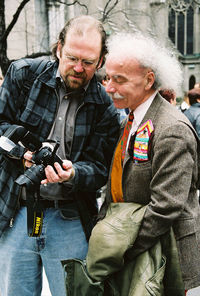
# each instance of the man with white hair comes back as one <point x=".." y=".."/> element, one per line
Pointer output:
<point x="155" y="161"/>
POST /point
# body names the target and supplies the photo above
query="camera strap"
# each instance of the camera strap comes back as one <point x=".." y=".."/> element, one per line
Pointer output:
<point x="34" y="213"/>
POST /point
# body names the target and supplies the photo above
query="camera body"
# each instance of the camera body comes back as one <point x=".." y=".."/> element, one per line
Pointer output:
<point x="13" y="145"/>
<point x="44" y="154"/>
<point x="41" y="158"/>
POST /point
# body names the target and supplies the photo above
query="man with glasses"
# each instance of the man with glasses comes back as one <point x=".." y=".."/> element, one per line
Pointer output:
<point x="66" y="105"/>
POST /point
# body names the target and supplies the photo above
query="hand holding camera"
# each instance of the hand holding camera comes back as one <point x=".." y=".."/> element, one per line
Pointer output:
<point x="59" y="171"/>
<point x="63" y="173"/>
<point x="42" y="163"/>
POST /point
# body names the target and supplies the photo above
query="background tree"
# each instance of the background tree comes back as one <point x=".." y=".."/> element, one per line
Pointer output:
<point x="6" y="30"/>
<point x="116" y="15"/>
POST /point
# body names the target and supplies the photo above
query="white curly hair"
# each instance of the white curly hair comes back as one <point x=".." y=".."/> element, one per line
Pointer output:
<point x="150" y="54"/>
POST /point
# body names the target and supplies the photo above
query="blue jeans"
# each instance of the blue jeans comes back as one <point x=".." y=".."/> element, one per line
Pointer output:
<point x="22" y="258"/>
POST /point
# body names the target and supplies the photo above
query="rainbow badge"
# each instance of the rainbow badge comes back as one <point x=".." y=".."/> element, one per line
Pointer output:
<point x="141" y="144"/>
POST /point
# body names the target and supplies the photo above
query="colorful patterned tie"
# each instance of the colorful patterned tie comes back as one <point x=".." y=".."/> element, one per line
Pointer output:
<point x="116" y="173"/>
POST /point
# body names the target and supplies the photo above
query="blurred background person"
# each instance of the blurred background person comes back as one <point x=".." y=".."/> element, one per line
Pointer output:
<point x="169" y="95"/>
<point x="197" y="85"/>
<point x="101" y="76"/>
<point x="185" y="104"/>
<point x="193" y="112"/>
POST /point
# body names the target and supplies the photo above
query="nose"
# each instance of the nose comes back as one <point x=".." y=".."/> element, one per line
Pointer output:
<point x="78" y="67"/>
<point x="109" y="87"/>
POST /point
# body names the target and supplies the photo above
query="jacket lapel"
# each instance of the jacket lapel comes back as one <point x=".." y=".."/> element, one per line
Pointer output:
<point x="150" y="115"/>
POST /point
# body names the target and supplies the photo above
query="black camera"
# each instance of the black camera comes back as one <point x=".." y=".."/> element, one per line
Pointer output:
<point x="41" y="158"/>
<point x="44" y="154"/>
<point x="13" y="144"/>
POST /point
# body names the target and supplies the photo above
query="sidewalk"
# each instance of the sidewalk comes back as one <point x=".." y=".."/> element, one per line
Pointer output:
<point x="45" y="289"/>
<point x="194" y="292"/>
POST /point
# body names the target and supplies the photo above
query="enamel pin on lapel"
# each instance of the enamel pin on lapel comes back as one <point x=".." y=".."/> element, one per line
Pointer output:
<point x="141" y="144"/>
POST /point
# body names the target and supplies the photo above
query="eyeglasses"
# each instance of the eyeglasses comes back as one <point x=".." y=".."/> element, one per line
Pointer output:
<point x="87" y="64"/>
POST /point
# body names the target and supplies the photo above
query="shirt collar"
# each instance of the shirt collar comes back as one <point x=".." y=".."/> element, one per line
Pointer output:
<point x="141" y="110"/>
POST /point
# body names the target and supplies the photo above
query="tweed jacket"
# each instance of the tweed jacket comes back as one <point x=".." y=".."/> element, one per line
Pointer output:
<point x="95" y="133"/>
<point x="167" y="184"/>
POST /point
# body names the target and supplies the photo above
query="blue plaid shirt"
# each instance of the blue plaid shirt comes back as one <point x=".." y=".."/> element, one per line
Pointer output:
<point x="95" y="133"/>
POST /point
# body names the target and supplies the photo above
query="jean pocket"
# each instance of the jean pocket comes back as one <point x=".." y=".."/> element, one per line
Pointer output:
<point x="69" y="214"/>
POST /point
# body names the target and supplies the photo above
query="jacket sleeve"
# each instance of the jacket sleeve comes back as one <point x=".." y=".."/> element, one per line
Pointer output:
<point x="10" y="93"/>
<point x="9" y="104"/>
<point x="174" y="173"/>
<point x="91" y="171"/>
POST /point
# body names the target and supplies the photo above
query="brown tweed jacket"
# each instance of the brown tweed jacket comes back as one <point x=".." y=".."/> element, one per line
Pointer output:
<point x="166" y="183"/>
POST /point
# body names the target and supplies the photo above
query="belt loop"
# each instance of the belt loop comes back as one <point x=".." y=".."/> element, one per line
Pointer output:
<point x="56" y="204"/>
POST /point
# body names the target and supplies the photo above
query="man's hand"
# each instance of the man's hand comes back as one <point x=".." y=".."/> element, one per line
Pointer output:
<point x="61" y="174"/>
<point x="28" y="159"/>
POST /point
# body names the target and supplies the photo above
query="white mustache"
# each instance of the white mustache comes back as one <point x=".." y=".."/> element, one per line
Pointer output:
<point x="117" y="96"/>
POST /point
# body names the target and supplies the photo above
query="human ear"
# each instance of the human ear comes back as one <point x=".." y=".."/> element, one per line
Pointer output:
<point x="58" y="50"/>
<point x="150" y="79"/>
<point x="100" y="63"/>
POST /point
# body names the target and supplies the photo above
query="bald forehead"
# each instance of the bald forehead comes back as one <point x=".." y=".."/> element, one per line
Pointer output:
<point x="84" y="31"/>
<point x="91" y="36"/>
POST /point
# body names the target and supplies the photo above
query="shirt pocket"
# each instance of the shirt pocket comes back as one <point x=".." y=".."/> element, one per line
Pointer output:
<point x="29" y="118"/>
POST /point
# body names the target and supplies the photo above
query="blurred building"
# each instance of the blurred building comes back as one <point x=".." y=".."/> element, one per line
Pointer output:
<point x="175" y="23"/>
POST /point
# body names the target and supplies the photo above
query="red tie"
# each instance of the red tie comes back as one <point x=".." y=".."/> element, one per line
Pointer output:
<point x="116" y="173"/>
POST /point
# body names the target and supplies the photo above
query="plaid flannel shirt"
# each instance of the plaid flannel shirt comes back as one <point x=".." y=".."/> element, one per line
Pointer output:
<point x="95" y="133"/>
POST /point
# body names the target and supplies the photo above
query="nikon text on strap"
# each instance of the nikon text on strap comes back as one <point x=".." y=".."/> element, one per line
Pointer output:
<point x="34" y="213"/>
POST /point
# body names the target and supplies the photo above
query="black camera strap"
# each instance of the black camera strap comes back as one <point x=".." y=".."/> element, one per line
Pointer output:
<point x="34" y="213"/>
